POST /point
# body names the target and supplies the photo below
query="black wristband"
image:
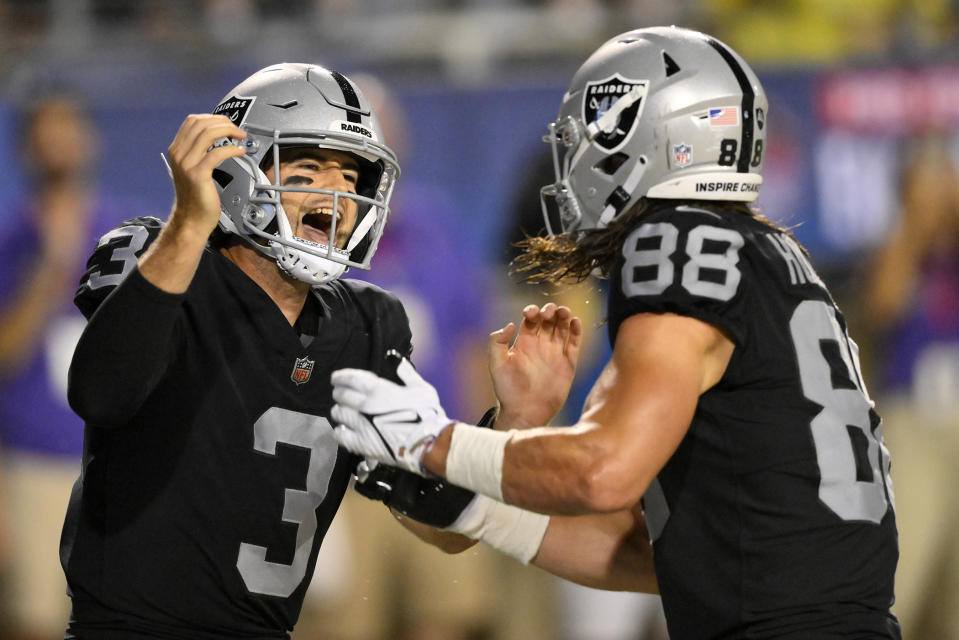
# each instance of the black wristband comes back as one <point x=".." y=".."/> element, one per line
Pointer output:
<point x="431" y="501"/>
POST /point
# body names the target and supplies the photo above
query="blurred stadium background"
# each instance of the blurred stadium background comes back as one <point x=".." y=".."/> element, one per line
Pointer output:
<point x="852" y="85"/>
<point x="480" y="79"/>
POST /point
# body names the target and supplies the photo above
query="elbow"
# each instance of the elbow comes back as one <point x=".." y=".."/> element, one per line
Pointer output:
<point x="99" y="413"/>
<point x="87" y="399"/>
<point x="607" y="486"/>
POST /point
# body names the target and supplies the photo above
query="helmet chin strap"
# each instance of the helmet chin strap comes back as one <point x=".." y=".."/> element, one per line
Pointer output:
<point x="300" y="264"/>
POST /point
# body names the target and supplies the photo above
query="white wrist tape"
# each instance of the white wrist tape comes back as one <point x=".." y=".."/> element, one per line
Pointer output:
<point x="475" y="459"/>
<point x="511" y="530"/>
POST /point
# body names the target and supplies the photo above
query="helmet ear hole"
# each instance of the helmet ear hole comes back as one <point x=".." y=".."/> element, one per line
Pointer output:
<point x="222" y="178"/>
<point x="611" y="163"/>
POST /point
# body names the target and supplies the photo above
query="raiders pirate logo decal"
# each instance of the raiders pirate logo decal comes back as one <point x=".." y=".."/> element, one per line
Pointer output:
<point x="599" y="97"/>
<point x="302" y="369"/>
<point x="235" y="108"/>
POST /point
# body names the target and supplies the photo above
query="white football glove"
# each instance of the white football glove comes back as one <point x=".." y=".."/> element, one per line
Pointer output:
<point x="392" y="423"/>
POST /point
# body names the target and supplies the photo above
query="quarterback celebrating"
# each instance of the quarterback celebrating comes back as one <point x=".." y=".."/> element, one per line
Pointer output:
<point x="210" y="471"/>
<point x="731" y="432"/>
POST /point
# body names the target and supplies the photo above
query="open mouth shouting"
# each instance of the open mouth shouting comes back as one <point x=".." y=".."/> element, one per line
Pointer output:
<point x="315" y="225"/>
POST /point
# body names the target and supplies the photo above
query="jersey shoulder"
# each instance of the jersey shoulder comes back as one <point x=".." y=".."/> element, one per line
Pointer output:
<point x="381" y="310"/>
<point x="704" y="263"/>
<point x="113" y="258"/>
<point x="374" y="301"/>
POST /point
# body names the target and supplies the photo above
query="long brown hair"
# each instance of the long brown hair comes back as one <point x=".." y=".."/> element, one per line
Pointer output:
<point x="573" y="256"/>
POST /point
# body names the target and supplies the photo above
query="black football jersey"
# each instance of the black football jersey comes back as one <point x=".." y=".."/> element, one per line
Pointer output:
<point x="774" y="517"/>
<point x="210" y="472"/>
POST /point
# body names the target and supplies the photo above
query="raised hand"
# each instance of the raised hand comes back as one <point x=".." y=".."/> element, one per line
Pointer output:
<point x="192" y="161"/>
<point x="171" y="261"/>
<point x="388" y="422"/>
<point x="532" y="377"/>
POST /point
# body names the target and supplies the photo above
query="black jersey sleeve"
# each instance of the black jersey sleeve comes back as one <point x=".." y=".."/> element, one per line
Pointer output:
<point x="125" y="347"/>
<point x="683" y="260"/>
<point x="114" y="257"/>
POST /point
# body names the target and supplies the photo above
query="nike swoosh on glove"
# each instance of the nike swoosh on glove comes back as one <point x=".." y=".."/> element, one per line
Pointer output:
<point x="392" y="423"/>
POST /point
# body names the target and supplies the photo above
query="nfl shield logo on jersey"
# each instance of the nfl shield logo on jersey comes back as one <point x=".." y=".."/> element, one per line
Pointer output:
<point x="302" y="370"/>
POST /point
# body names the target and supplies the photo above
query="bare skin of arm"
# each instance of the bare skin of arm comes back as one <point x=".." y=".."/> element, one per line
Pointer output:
<point x="603" y="550"/>
<point x="596" y="471"/>
<point x="638" y="412"/>
<point x="446" y="541"/>
<point x="609" y="551"/>
<point x="542" y="357"/>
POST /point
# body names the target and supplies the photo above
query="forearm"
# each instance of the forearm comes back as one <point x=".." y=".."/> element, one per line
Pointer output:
<point x="547" y="470"/>
<point x="170" y="263"/>
<point x="605" y="551"/>
<point x="556" y="470"/>
<point x="634" y="419"/>
<point x="125" y="349"/>
<point x="446" y="541"/>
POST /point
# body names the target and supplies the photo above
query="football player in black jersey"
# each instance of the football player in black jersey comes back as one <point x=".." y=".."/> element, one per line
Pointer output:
<point x="728" y="456"/>
<point x="210" y="472"/>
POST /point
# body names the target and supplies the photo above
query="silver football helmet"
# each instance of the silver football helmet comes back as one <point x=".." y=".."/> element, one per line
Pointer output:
<point x="295" y="105"/>
<point x="662" y="112"/>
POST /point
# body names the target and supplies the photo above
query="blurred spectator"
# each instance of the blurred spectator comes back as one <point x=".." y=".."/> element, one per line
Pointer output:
<point x="912" y="307"/>
<point x="396" y="586"/>
<point x="24" y="21"/>
<point x="585" y="614"/>
<point x="42" y="244"/>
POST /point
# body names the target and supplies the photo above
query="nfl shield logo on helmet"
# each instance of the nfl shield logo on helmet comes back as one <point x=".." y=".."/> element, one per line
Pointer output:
<point x="600" y="96"/>
<point x="302" y="370"/>
<point x="682" y="155"/>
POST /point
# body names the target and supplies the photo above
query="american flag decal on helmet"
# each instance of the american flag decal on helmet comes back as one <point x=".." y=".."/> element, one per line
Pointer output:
<point x="302" y="370"/>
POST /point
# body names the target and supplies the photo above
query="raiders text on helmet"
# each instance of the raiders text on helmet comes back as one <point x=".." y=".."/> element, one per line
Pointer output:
<point x="296" y="105"/>
<point x="662" y="112"/>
